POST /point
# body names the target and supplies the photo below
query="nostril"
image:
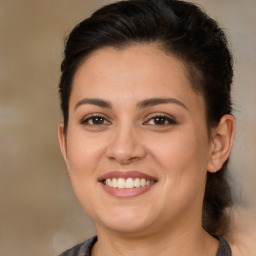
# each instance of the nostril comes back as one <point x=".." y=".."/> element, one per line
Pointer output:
<point x="125" y="154"/>
<point x="125" y="145"/>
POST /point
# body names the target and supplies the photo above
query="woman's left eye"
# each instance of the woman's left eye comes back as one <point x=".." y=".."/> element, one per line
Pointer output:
<point x="160" y="121"/>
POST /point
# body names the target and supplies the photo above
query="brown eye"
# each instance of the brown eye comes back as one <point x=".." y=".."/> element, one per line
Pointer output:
<point x="160" y="121"/>
<point x="95" y="120"/>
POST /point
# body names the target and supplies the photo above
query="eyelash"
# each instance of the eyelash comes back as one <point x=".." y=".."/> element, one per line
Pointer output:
<point x="94" y="117"/>
<point x="163" y="120"/>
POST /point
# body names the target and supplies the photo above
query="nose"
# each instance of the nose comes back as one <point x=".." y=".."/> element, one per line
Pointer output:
<point x="126" y="146"/>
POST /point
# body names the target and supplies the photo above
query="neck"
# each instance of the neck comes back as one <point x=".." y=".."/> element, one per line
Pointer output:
<point x="187" y="242"/>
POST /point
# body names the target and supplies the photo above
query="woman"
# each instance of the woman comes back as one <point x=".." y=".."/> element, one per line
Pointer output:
<point x="147" y="130"/>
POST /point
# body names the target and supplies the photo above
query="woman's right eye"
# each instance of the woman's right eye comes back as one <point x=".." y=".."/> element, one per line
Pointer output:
<point x="95" y="120"/>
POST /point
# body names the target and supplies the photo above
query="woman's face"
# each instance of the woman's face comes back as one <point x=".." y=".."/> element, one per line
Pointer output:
<point x="137" y="146"/>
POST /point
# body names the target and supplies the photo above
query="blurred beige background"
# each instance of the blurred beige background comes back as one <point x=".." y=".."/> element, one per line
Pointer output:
<point x="39" y="214"/>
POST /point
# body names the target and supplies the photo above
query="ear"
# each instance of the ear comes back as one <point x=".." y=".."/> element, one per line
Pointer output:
<point x="222" y="138"/>
<point x="62" y="141"/>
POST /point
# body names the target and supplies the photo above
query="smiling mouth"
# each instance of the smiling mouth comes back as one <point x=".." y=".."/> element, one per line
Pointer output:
<point x="128" y="183"/>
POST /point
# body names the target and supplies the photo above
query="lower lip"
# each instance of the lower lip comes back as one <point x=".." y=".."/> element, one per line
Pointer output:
<point x="126" y="192"/>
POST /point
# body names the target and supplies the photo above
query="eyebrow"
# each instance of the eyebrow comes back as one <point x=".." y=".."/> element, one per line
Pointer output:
<point x="157" y="101"/>
<point x="142" y="104"/>
<point x="94" y="101"/>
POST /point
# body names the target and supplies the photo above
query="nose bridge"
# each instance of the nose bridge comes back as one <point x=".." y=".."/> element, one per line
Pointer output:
<point x="125" y="144"/>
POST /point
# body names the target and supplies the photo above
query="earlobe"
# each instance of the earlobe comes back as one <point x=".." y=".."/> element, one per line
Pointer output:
<point x="62" y="141"/>
<point x="221" y="142"/>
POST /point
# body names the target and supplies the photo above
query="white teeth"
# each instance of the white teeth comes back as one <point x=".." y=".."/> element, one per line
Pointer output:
<point x="109" y="182"/>
<point x="121" y="183"/>
<point x="127" y="183"/>
<point x="114" y="183"/>
<point x="142" y="182"/>
<point x="137" y="183"/>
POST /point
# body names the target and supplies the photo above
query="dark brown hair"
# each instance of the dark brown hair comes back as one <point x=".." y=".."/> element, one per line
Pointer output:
<point x="183" y="30"/>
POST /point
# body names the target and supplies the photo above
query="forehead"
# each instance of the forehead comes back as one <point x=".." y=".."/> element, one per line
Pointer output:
<point x="140" y="71"/>
<point x="143" y="57"/>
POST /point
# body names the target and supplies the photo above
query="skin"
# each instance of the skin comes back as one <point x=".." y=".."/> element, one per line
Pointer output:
<point x="178" y="153"/>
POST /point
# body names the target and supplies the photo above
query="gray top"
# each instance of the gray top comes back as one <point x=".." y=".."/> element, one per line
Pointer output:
<point x="84" y="249"/>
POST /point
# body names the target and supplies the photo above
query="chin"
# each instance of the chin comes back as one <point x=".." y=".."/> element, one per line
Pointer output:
<point x="128" y="222"/>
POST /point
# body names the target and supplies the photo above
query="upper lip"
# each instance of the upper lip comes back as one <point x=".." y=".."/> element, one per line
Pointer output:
<point x="126" y="175"/>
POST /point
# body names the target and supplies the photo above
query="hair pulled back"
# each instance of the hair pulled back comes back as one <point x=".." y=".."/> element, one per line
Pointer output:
<point x="178" y="28"/>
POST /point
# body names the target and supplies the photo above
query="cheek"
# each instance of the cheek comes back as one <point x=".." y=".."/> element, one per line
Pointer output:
<point x="83" y="153"/>
<point x="83" y="157"/>
<point x="182" y="156"/>
<point x="183" y="163"/>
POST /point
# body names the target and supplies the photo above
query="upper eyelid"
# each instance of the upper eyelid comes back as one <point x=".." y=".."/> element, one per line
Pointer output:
<point x="150" y="116"/>
<point x="90" y="116"/>
<point x="168" y="118"/>
<point x="146" y="118"/>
